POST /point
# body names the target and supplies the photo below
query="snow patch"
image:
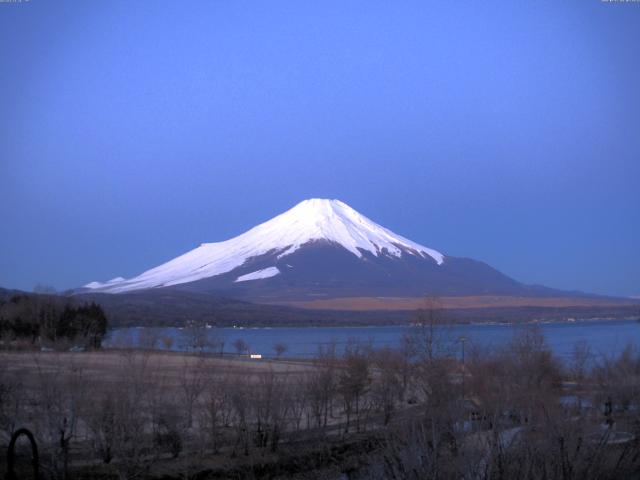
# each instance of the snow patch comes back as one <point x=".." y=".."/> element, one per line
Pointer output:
<point x="258" y="274"/>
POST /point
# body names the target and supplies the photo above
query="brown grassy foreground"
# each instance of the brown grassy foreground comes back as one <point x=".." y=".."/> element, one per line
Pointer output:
<point x="414" y="412"/>
<point x="479" y="301"/>
<point x="108" y="365"/>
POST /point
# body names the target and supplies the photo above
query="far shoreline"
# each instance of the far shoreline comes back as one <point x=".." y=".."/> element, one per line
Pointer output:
<point x="393" y="325"/>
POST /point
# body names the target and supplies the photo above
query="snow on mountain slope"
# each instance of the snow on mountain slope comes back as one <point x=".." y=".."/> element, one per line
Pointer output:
<point x="257" y="275"/>
<point x="310" y="220"/>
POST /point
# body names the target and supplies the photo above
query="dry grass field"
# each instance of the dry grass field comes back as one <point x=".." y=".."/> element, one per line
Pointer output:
<point x="108" y="365"/>
<point x="470" y="302"/>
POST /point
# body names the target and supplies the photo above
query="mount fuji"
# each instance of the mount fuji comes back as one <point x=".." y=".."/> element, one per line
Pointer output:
<point x="321" y="249"/>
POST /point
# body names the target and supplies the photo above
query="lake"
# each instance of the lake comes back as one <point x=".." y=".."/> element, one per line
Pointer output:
<point x="605" y="338"/>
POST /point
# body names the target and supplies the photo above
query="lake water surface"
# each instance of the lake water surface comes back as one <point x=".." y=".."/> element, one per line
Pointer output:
<point x="605" y="338"/>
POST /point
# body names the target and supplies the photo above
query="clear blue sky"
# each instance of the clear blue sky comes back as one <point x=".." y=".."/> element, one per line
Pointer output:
<point x="132" y="131"/>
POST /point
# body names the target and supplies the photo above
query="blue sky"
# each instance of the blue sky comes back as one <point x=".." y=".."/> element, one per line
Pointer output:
<point x="508" y="132"/>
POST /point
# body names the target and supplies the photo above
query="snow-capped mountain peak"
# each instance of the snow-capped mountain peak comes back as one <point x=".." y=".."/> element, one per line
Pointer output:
<point x="311" y="220"/>
<point x="335" y="221"/>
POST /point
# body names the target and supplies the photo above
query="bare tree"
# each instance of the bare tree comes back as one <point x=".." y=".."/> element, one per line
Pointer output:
<point x="280" y="348"/>
<point x="321" y="384"/>
<point x="618" y="381"/>
<point x="133" y="409"/>
<point x="60" y="392"/>
<point x="241" y="346"/>
<point x="241" y="403"/>
<point x="388" y="386"/>
<point x="168" y="428"/>
<point x="217" y="343"/>
<point x="580" y="358"/>
<point x="196" y="337"/>
<point x="192" y="383"/>
<point x="429" y="336"/>
<point x="269" y="409"/>
<point x="297" y="400"/>
<point x="167" y="342"/>
<point x="12" y="390"/>
<point x="102" y="423"/>
<point x="217" y="409"/>
<point x="353" y="382"/>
